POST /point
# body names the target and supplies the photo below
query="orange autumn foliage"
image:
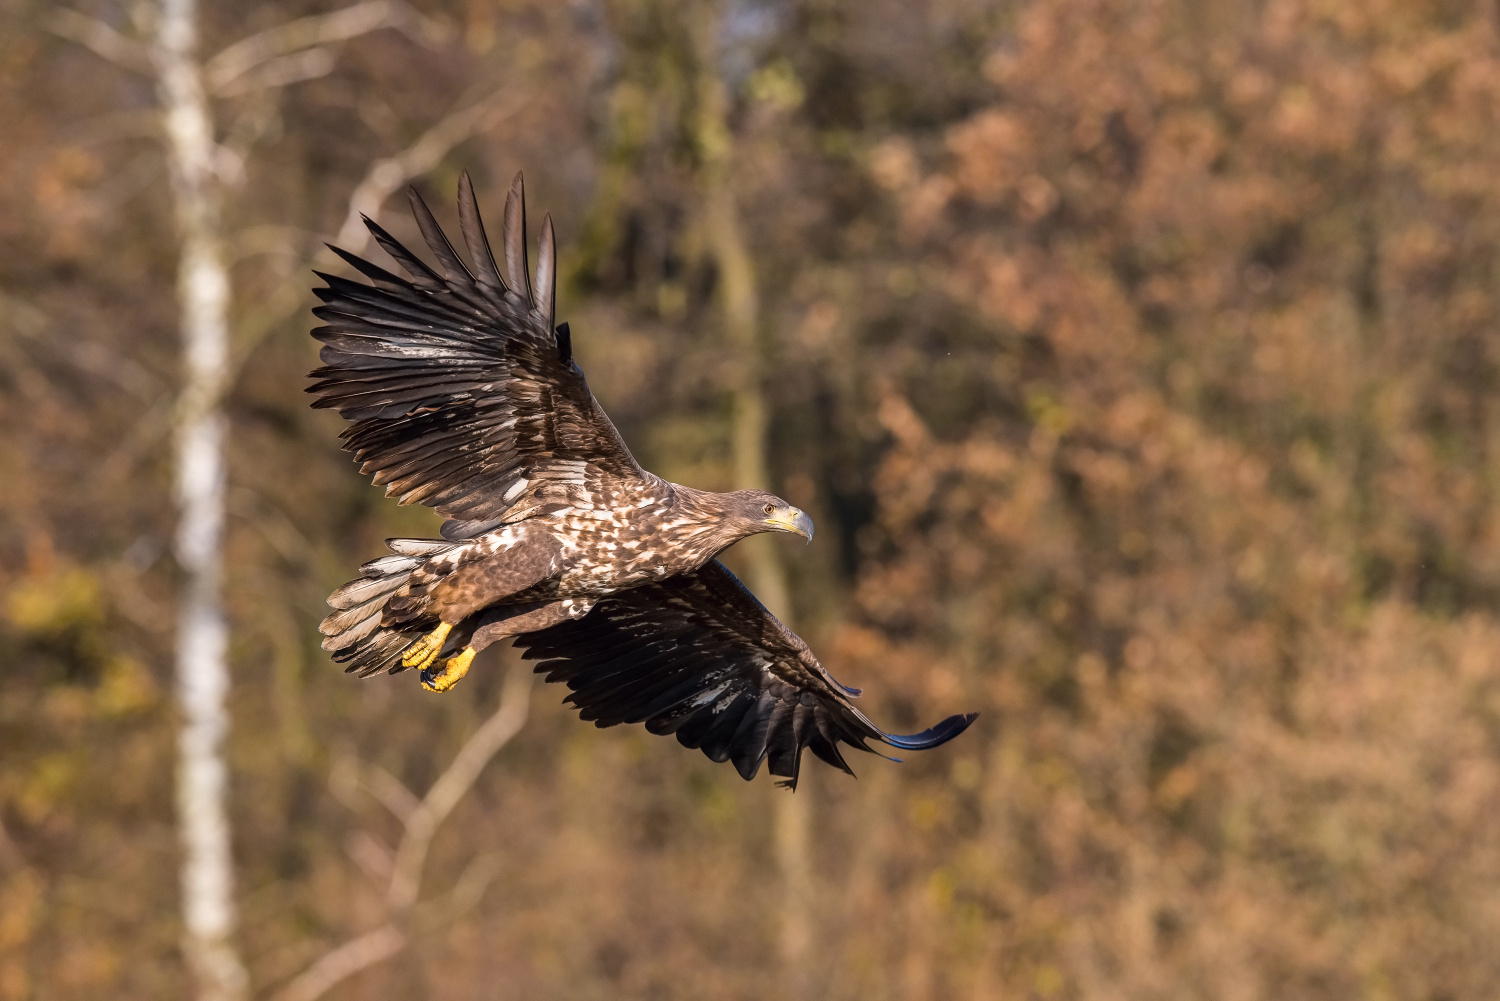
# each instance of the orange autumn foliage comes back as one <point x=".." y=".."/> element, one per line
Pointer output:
<point x="1137" y="358"/>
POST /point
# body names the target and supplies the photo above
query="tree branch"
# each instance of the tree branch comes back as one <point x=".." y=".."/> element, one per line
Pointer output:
<point x="344" y="962"/>
<point x="384" y="178"/>
<point x="387" y="176"/>
<point x="307" y="64"/>
<point x="101" y="39"/>
<point x="421" y="823"/>
<point x="411" y="854"/>
<point x="391" y="792"/>
<point x="470" y="887"/>
<point x="316" y="31"/>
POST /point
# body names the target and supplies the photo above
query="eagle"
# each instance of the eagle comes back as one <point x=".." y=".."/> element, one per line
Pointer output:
<point x="462" y="395"/>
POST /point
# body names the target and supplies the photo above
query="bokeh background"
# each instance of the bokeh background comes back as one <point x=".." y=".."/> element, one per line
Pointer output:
<point x="1137" y="359"/>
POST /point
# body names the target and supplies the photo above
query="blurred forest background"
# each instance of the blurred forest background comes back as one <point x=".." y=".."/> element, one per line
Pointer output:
<point x="1138" y="360"/>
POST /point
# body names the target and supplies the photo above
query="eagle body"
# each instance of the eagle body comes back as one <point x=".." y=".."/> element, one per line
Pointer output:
<point x="462" y="395"/>
<point x="613" y="536"/>
<point x="635" y="533"/>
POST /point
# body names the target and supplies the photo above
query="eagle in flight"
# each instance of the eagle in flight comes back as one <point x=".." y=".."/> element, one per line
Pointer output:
<point x="462" y="395"/>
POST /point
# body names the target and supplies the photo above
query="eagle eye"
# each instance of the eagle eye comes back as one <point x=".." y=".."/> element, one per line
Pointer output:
<point x="769" y="508"/>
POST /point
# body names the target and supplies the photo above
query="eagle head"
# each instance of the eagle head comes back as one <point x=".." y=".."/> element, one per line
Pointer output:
<point x="754" y="511"/>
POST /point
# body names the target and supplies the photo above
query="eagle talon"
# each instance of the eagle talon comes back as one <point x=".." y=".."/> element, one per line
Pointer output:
<point x="425" y="650"/>
<point x="452" y="671"/>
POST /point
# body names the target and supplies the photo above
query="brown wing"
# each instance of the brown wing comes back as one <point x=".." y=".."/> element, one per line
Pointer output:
<point x="462" y="395"/>
<point x="697" y="655"/>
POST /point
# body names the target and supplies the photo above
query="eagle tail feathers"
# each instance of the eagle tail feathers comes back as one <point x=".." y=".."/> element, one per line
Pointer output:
<point x="353" y="632"/>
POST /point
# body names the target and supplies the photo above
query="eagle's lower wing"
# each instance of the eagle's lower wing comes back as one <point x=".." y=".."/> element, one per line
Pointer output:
<point x="461" y="394"/>
<point x="697" y="655"/>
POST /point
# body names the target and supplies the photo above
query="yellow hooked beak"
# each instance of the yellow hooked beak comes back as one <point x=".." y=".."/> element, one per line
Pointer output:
<point x="792" y="520"/>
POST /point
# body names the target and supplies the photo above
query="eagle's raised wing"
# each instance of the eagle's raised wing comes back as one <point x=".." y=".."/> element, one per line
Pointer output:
<point x="461" y="394"/>
<point x="697" y="655"/>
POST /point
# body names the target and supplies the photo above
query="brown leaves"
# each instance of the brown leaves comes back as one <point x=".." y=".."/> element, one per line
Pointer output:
<point x="1235" y="556"/>
<point x="1142" y="355"/>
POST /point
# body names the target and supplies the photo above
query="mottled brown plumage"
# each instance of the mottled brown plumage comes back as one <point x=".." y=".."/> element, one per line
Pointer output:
<point x="463" y="396"/>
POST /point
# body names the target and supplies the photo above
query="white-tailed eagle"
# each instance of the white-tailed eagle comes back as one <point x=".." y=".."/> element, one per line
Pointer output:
<point x="462" y="395"/>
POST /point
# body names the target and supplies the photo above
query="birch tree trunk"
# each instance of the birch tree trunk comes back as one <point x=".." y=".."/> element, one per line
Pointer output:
<point x="739" y="302"/>
<point x="202" y="632"/>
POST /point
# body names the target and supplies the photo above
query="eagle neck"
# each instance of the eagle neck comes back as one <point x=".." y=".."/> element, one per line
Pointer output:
<point x="702" y="523"/>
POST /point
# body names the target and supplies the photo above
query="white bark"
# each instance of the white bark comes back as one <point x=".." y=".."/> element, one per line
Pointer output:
<point x="298" y="50"/>
<point x="202" y="632"/>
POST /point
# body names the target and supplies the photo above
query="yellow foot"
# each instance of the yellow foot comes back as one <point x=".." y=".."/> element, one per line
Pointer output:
<point x="425" y="650"/>
<point x="436" y="679"/>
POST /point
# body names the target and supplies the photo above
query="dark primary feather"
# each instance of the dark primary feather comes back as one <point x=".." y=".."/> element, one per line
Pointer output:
<point x="472" y="227"/>
<point x="456" y="384"/>
<point x="515" y="239"/>
<point x="697" y="655"/>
